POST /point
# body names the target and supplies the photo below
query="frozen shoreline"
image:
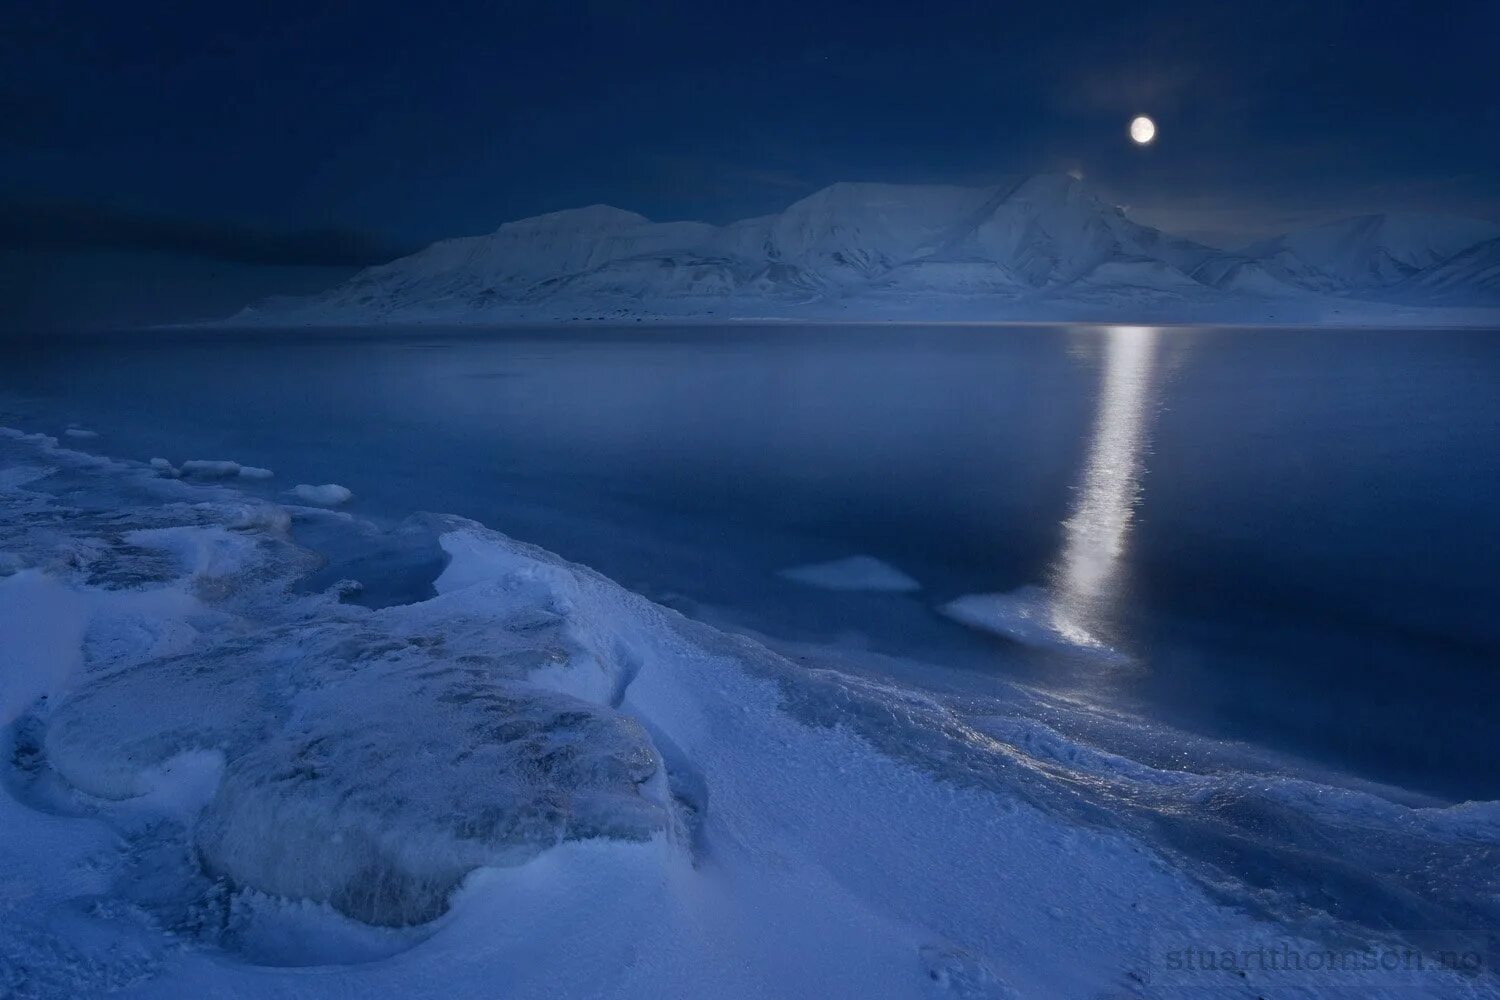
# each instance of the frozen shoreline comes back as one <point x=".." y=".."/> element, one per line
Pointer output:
<point x="794" y="831"/>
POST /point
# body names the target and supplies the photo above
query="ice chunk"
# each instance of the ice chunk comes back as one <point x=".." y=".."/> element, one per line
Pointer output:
<point x="202" y="552"/>
<point x="853" y="573"/>
<point x="379" y="801"/>
<point x="362" y="770"/>
<point x="327" y="495"/>
<point x="1024" y="615"/>
<point x="113" y="733"/>
<point x="1030" y="616"/>
<point x="205" y="468"/>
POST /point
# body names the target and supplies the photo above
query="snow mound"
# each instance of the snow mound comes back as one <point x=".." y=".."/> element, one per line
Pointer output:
<point x="853" y="573"/>
<point x="327" y="495"/>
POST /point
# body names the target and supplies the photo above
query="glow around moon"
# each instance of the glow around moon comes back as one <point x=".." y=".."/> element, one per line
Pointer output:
<point x="1142" y="130"/>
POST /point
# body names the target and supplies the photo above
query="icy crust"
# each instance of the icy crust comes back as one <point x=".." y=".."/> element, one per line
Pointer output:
<point x="368" y="759"/>
<point x="370" y="763"/>
<point x="382" y="812"/>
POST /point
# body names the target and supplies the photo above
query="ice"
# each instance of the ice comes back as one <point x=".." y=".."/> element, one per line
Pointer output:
<point x="362" y="769"/>
<point x="1031" y="616"/>
<point x="80" y="432"/>
<point x="583" y="794"/>
<point x="205" y="468"/>
<point x="16" y="476"/>
<point x="382" y="810"/>
<point x="1024" y="615"/>
<point x="853" y="573"/>
<point x="327" y="495"/>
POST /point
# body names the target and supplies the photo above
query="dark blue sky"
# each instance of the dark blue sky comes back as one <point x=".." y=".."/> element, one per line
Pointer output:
<point x="411" y="121"/>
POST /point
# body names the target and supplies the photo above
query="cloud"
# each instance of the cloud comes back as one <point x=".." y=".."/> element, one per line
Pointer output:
<point x="60" y="225"/>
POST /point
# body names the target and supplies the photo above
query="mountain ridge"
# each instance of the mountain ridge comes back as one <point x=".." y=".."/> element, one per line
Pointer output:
<point x="1046" y="244"/>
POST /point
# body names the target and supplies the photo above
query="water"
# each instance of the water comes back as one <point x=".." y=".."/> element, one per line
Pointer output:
<point x="1290" y="535"/>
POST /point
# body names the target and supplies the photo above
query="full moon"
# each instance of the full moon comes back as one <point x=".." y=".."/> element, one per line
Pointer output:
<point x="1142" y="130"/>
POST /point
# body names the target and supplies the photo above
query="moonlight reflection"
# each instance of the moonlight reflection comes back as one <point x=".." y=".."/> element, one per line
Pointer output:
<point x="1073" y="610"/>
<point x="1086" y="573"/>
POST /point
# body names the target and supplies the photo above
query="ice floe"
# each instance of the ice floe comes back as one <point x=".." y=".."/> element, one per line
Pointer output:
<point x="853" y="573"/>
<point x="326" y="495"/>
<point x="1028" y="615"/>
<point x="210" y="468"/>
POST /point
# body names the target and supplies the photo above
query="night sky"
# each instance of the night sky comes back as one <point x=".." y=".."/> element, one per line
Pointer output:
<point x="324" y="133"/>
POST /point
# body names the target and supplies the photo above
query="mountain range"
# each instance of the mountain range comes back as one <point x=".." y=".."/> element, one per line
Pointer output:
<point x="1046" y="247"/>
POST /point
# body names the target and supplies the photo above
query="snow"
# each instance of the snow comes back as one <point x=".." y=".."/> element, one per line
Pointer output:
<point x="538" y="778"/>
<point x="327" y="495"/>
<point x="1372" y="251"/>
<point x="853" y="573"/>
<point x="41" y="631"/>
<point x="1470" y="274"/>
<point x="1043" y="248"/>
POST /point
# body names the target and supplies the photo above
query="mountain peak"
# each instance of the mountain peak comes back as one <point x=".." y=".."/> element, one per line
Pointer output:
<point x="590" y="216"/>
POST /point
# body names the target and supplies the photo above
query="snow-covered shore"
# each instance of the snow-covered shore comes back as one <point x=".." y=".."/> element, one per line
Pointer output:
<point x="538" y="782"/>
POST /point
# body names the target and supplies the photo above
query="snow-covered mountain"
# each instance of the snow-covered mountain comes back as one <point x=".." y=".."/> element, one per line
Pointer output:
<point x="1472" y="275"/>
<point x="1369" y="252"/>
<point x="1046" y="246"/>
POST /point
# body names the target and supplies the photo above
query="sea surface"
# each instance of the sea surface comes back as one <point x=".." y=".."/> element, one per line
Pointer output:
<point x="1287" y="539"/>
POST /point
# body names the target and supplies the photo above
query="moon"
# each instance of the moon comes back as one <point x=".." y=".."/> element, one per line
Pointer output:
<point x="1142" y="130"/>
